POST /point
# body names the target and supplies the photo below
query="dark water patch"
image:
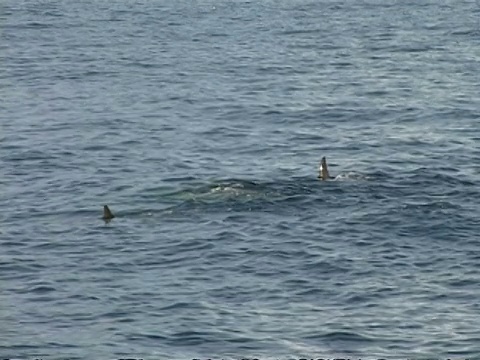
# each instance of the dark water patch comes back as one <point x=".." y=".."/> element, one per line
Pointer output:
<point x="139" y="336"/>
<point x="464" y="283"/>
<point x="34" y="25"/>
<point x="38" y="289"/>
<point x="340" y="337"/>
<point x="195" y="338"/>
<point x="311" y="292"/>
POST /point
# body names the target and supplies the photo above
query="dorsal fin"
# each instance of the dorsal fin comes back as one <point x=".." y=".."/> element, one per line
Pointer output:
<point x="107" y="214"/>
<point x="323" y="173"/>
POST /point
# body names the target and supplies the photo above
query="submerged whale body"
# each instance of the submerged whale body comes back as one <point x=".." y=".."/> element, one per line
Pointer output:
<point x="235" y="189"/>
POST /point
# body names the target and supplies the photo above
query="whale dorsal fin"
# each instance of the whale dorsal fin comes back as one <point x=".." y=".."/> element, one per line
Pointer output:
<point x="323" y="173"/>
<point x="107" y="214"/>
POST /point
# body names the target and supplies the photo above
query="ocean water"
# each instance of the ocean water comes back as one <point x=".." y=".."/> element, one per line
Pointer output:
<point x="201" y="124"/>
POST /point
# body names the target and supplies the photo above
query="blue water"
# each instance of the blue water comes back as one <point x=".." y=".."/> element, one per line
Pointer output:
<point x="201" y="124"/>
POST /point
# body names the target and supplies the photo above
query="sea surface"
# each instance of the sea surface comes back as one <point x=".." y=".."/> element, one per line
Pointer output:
<point x="201" y="124"/>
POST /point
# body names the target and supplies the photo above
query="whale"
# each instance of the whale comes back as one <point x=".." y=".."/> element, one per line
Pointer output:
<point x="237" y="190"/>
<point x="323" y="173"/>
<point x="107" y="214"/>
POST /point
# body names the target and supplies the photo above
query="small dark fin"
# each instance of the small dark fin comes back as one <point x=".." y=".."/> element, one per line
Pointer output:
<point x="107" y="214"/>
<point x="323" y="173"/>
